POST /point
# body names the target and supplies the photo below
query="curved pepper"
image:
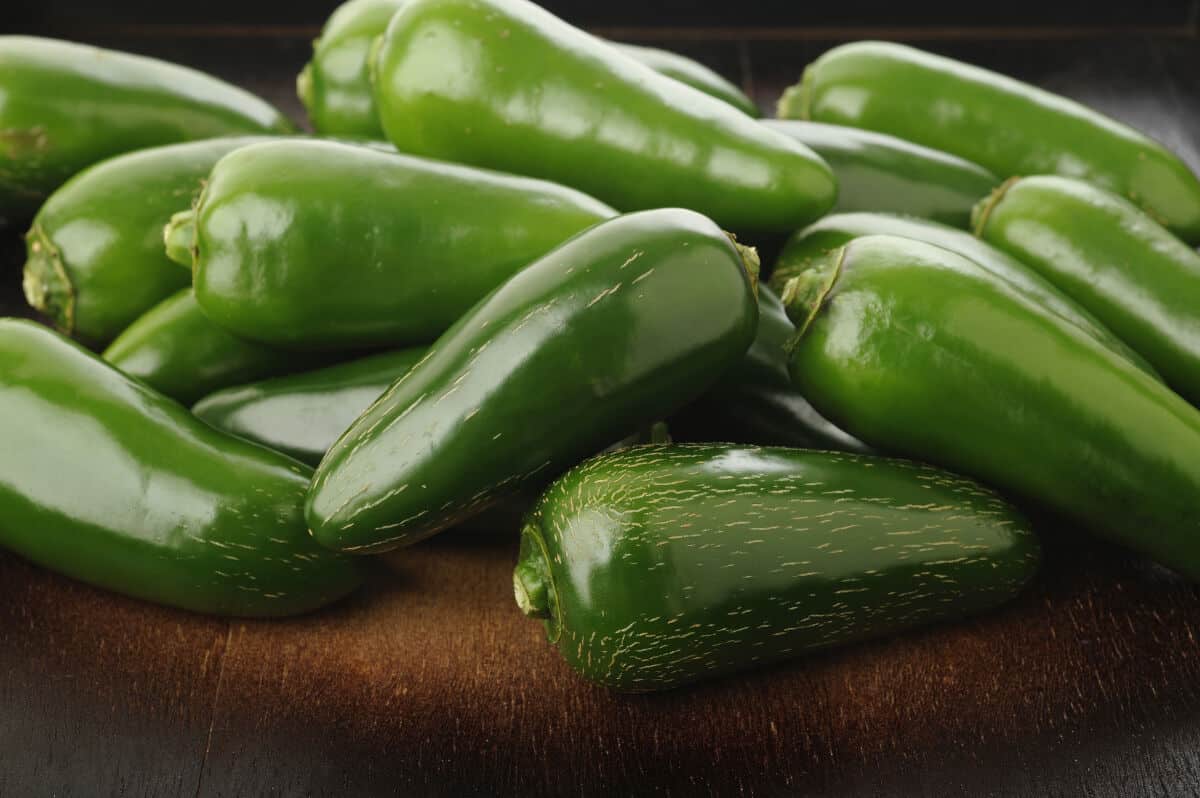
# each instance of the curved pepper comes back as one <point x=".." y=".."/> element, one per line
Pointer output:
<point x="176" y="350"/>
<point x="66" y="106"/>
<point x="507" y="85"/>
<point x="755" y="401"/>
<point x="108" y="482"/>
<point x="1005" y="125"/>
<point x="335" y="86"/>
<point x="919" y="351"/>
<point x="878" y="172"/>
<point x="833" y="231"/>
<point x="1112" y="259"/>
<point x="658" y="566"/>
<point x="615" y="329"/>
<point x="303" y="414"/>
<point x="95" y="258"/>
<point x="319" y="245"/>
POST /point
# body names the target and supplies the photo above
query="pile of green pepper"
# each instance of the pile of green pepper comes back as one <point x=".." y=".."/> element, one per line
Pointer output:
<point x="509" y="244"/>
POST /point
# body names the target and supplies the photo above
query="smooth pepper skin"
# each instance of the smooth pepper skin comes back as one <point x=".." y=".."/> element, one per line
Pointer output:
<point x="176" y="350"/>
<point x="94" y="256"/>
<point x="1114" y="260"/>
<point x="335" y="86"/>
<point x="321" y="245"/>
<point x="111" y="483"/>
<point x="507" y="85"/>
<point x="65" y="106"/>
<point x="691" y="72"/>
<point x="878" y="172"/>
<point x="303" y="414"/>
<point x="756" y="402"/>
<point x="833" y="231"/>
<point x="922" y="353"/>
<point x="659" y="566"/>
<point x="615" y="329"/>
<point x="1002" y="124"/>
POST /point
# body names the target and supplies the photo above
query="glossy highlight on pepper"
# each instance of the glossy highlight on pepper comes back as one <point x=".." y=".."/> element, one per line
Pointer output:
<point x="878" y="172"/>
<point x="95" y="259"/>
<point x="65" y="106"/>
<point x="335" y="86"/>
<point x="830" y="233"/>
<point x="921" y="352"/>
<point x="1000" y="123"/>
<point x="175" y="349"/>
<point x="659" y="566"/>
<point x="111" y="483"/>
<point x="1114" y="260"/>
<point x="611" y="331"/>
<point x="303" y="414"/>
<point x="321" y="245"/>
<point x="506" y="85"/>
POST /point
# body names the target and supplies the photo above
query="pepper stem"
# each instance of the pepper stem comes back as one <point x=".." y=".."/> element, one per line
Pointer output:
<point x="983" y="209"/>
<point x="805" y="291"/>
<point x="180" y="238"/>
<point x="750" y="262"/>
<point x="47" y="286"/>
<point x="304" y="87"/>
<point x="533" y="586"/>
<point x="796" y="99"/>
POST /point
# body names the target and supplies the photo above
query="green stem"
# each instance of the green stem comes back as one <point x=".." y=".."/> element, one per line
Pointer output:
<point x="47" y="286"/>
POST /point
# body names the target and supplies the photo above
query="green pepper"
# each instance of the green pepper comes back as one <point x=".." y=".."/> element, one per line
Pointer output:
<point x="1005" y="125"/>
<point x="1114" y="260"/>
<point x="176" y="350"/>
<point x="662" y="565"/>
<point x="921" y="352"/>
<point x="111" y="483"/>
<point x="878" y="172"/>
<point x="755" y="401"/>
<point x="616" y="328"/>
<point x="335" y="86"/>
<point x="507" y="85"/>
<point x="302" y="414"/>
<point x="834" y="231"/>
<point x="691" y="72"/>
<point x="95" y="258"/>
<point x="315" y="244"/>
<point x="66" y="106"/>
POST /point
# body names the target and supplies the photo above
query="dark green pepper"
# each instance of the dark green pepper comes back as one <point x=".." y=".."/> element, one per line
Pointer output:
<point x="335" y="86"/>
<point x="111" y="483"/>
<point x="66" y="106"/>
<point x="1005" y="125"/>
<point x="507" y="85"/>
<point x="95" y="259"/>
<point x="1114" y="260"/>
<point x="302" y="414"/>
<point x="315" y="244"/>
<point x="176" y="350"/>
<point x="615" y="329"/>
<point x="921" y="352"/>
<point x="878" y="172"/>
<point x="755" y="401"/>
<point x="662" y="565"/>
<point x="833" y="231"/>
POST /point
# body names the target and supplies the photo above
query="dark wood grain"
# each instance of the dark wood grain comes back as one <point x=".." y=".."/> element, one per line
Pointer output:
<point x="429" y="682"/>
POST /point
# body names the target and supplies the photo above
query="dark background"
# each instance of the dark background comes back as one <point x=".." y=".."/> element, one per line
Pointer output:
<point x="774" y="17"/>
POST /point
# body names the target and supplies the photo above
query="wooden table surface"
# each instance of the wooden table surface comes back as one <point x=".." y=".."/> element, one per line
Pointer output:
<point x="429" y="682"/>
